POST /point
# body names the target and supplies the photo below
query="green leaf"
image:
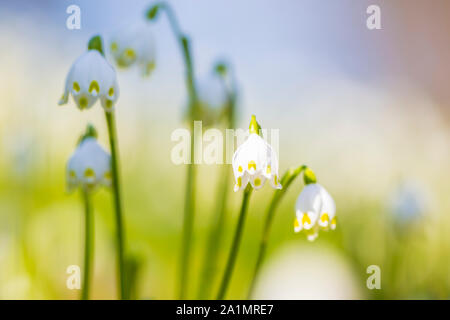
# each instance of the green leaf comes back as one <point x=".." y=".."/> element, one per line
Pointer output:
<point x="90" y="132"/>
<point x="96" y="43"/>
<point x="221" y="68"/>
<point x="309" y="176"/>
<point x="153" y="12"/>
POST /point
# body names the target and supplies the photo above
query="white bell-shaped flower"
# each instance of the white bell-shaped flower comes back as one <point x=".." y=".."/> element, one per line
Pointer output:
<point x="255" y="161"/>
<point x="89" y="166"/>
<point x="90" y="78"/>
<point x="315" y="209"/>
<point x="134" y="44"/>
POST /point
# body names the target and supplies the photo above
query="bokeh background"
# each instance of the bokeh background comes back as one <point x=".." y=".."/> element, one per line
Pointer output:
<point x="366" y="109"/>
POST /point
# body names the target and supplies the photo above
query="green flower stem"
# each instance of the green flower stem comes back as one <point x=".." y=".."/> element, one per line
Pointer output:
<point x="215" y="237"/>
<point x="188" y="223"/>
<point x="235" y="246"/>
<point x="189" y="205"/>
<point x="88" y="244"/>
<point x="286" y="181"/>
<point x="185" y="50"/>
<point x="190" y="184"/>
<point x="110" y="120"/>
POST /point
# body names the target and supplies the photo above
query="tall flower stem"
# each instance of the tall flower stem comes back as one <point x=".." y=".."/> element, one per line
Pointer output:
<point x="189" y="201"/>
<point x="120" y="238"/>
<point x="88" y="244"/>
<point x="188" y="220"/>
<point x="286" y="181"/>
<point x="216" y="233"/>
<point x="215" y="237"/>
<point x="236" y="243"/>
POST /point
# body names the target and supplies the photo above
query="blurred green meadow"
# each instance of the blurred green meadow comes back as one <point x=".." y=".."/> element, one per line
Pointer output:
<point x="361" y="135"/>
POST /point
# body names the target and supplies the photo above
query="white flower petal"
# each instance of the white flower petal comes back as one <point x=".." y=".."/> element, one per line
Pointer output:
<point x="241" y="182"/>
<point x="254" y="158"/>
<point x="312" y="234"/>
<point x="89" y="165"/>
<point x="91" y="77"/>
<point x="328" y="210"/>
<point x="315" y="208"/>
<point x="257" y="181"/>
<point x="309" y="199"/>
<point x="297" y="225"/>
<point x="134" y="44"/>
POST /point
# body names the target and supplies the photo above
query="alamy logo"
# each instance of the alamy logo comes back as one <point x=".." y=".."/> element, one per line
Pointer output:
<point x="74" y="279"/>
<point x="374" y="20"/>
<point x="374" y="280"/>
<point x="208" y="147"/>
<point x="73" y="21"/>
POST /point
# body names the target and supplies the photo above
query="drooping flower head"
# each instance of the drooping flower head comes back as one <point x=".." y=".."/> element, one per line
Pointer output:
<point x="315" y="208"/>
<point x="134" y="45"/>
<point x="89" y="166"/>
<point x="90" y="78"/>
<point x="255" y="161"/>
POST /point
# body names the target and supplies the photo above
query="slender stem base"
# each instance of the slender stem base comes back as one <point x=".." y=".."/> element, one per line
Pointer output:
<point x="88" y="245"/>
<point x="286" y="181"/>
<point x="217" y="229"/>
<point x="190" y="185"/>
<point x="110" y="119"/>
<point x="264" y="239"/>
<point x="235" y="246"/>
<point x="215" y="237"/>
<point x="188" y="222"/>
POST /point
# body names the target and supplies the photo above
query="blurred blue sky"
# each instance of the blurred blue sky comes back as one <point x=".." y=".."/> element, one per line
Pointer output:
<point x="279" y="48"/>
